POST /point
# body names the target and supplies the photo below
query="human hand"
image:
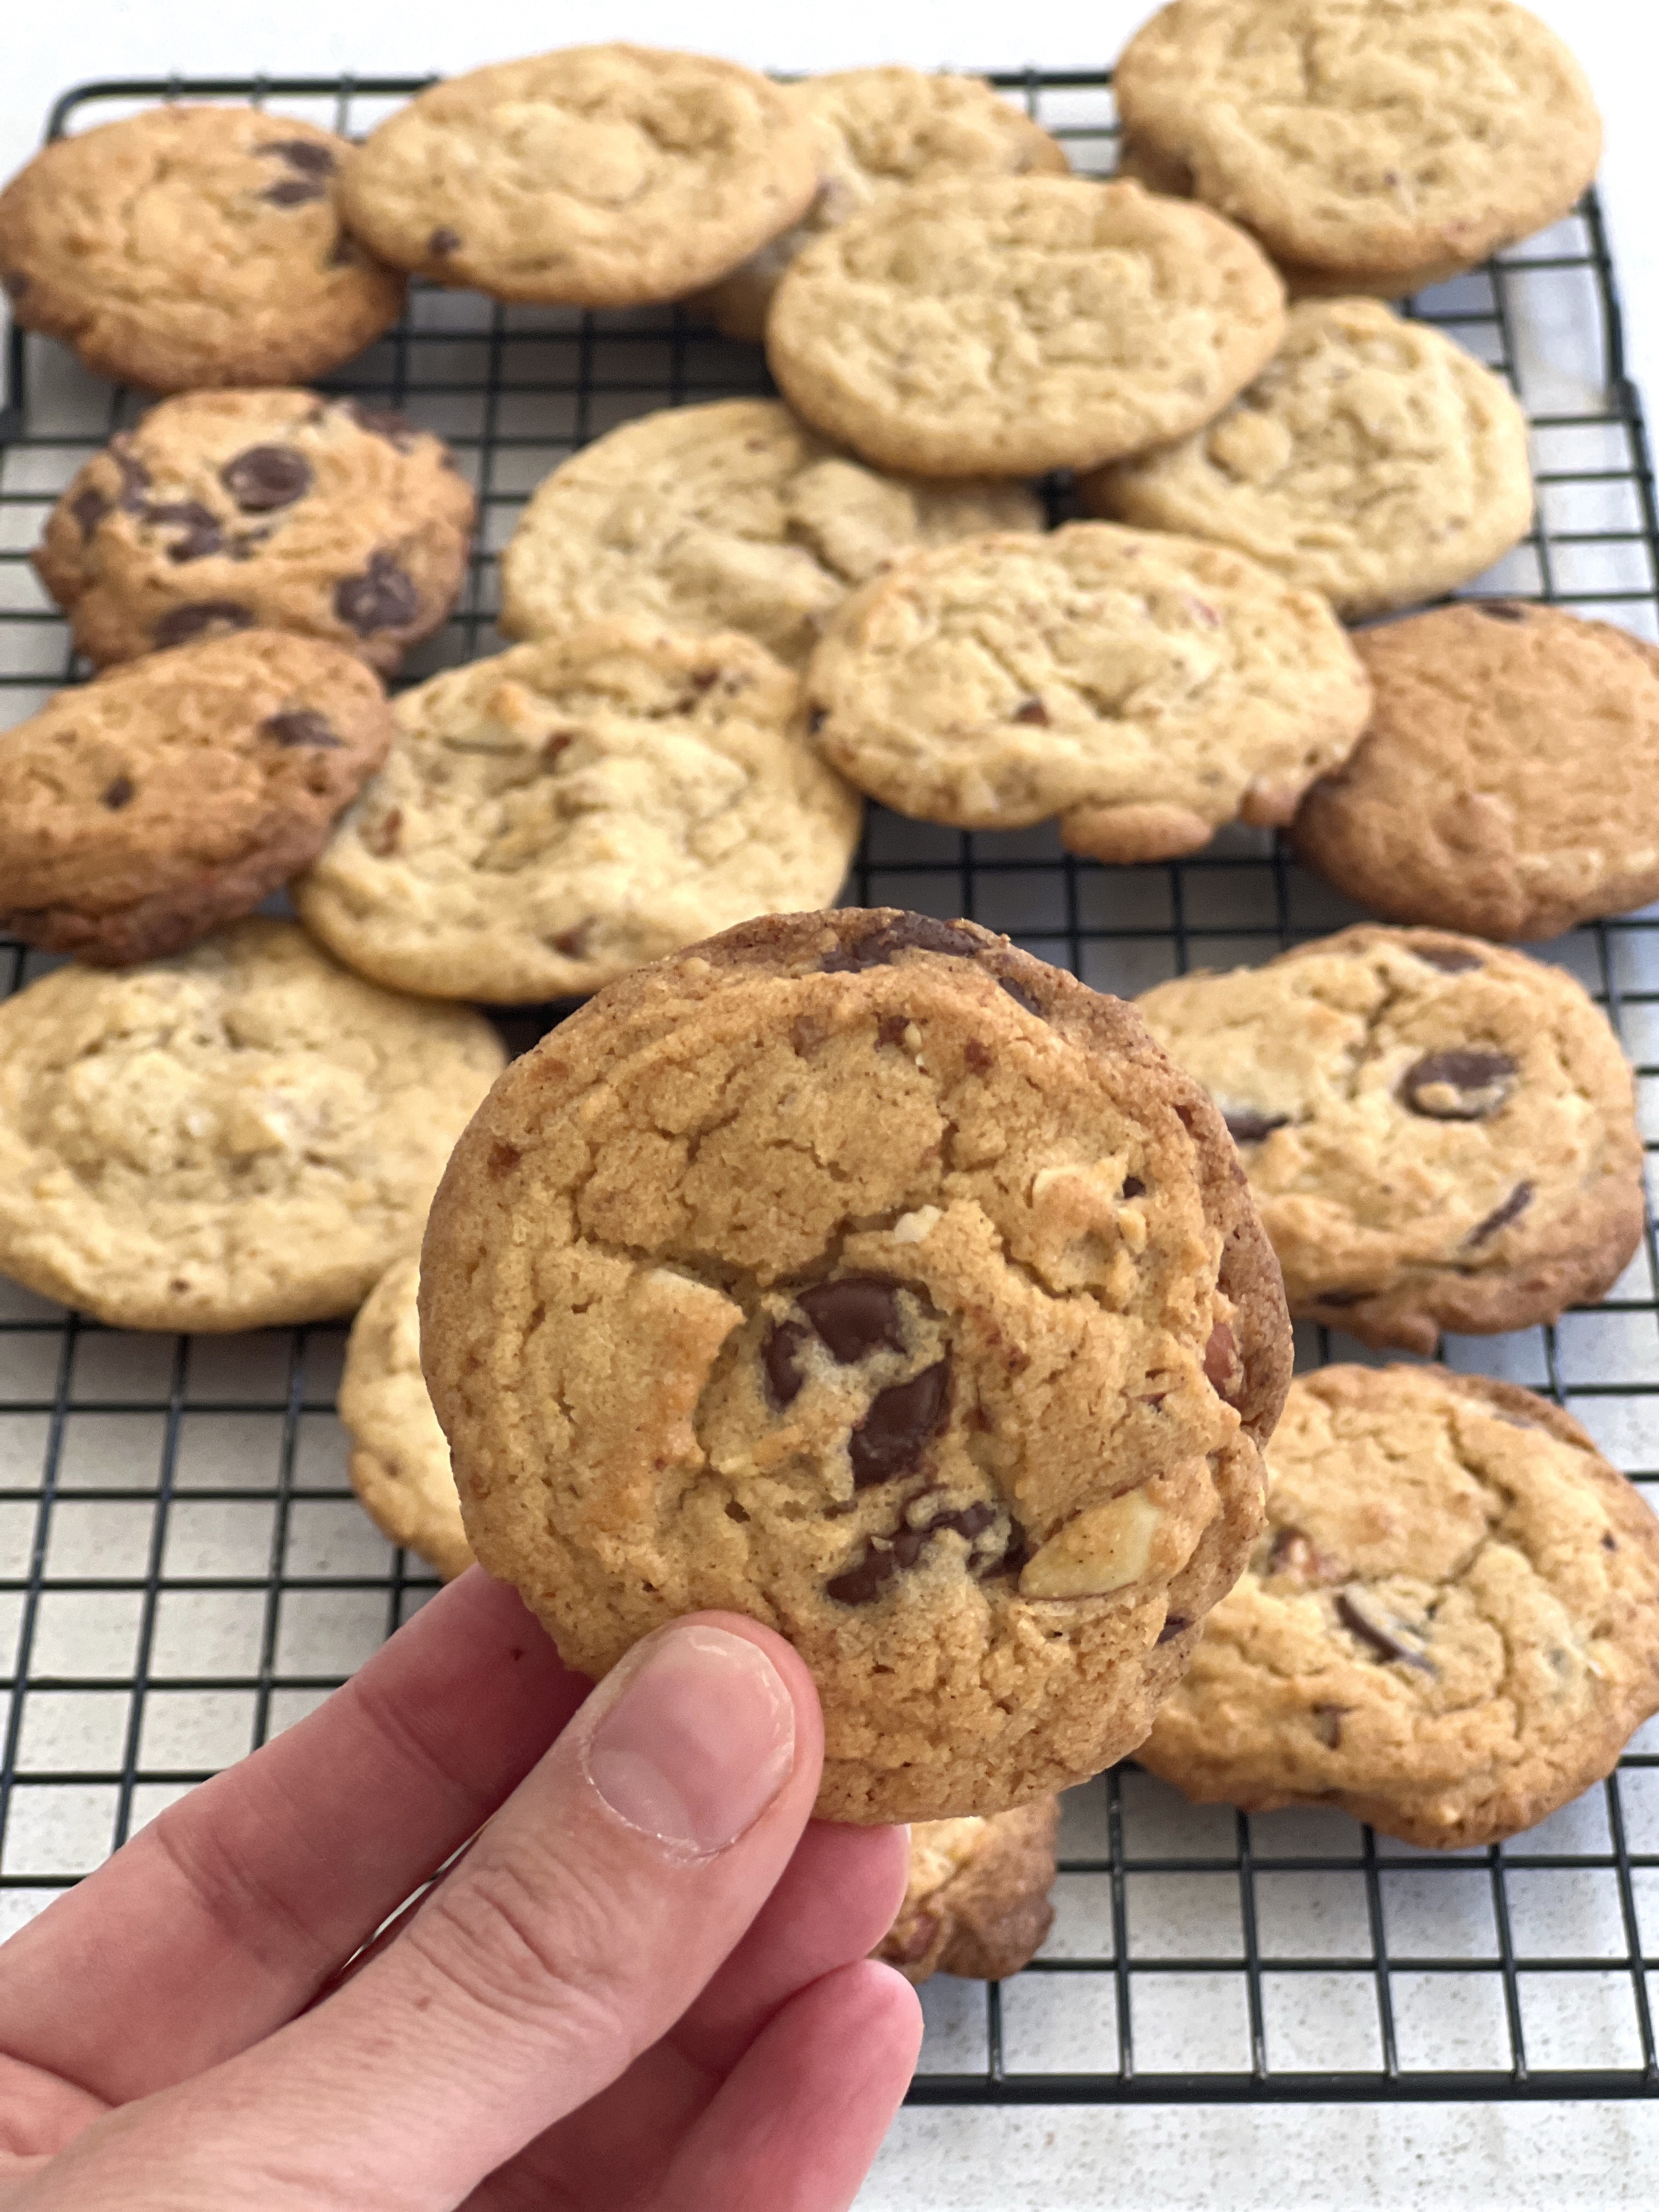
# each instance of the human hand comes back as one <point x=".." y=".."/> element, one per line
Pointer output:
<point x="643" y="1985"/>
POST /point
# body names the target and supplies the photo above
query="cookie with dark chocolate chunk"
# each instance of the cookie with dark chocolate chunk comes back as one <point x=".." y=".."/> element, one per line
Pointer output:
<point x="858" y="1271"/>
<point x="976" y="1900"/>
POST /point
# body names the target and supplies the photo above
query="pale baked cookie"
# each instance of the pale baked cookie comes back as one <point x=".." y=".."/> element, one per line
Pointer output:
<point x="1145" y="689"/>
<point x="285" y="509"/>
<point x="1508" y="783"/>
<point x="976" y="1900"/>
<point x="1373" y="460"/>
<point x="399" y="1460"/>
<point x="1375" y="144"/>
<point x="1004" y="326"/>
<point x="882" y="130"/>
<point x="239" y="1138"/>
<point x="730" y="516"/>
<point x="186" y="246"/>
<point x="553" y="817"/>
<point x="1439" y="1135"/>
<point x="594" y="177"/>
<point x="858" y="1272"/>
<point x="138" y="811"/>
<point x="1448" y="1627"/>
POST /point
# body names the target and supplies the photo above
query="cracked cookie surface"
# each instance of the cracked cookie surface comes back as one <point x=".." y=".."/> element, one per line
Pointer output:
<point x="242" y="1137"/>
<point x="282" y="510"/>
<point x="1372" y="460"/>
<point x="1005" y="326"/>
<point x="187" y="247"/>
<point x="602" y="176"/>
<point x="138" y="811"/>
<point x="858" y="1272"/>
<point x="1146" y="689"/>
<point x="1448" y="1627"/>
<point x="549" y="818"/>
<point x="731" y="516"/>
<point x="976" y="1898"/>
<point x="1440" y="1134"/>
<point x="400" y="1463"/>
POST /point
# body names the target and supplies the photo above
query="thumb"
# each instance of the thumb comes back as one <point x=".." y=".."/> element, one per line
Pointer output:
<point x="586" y="1917"/>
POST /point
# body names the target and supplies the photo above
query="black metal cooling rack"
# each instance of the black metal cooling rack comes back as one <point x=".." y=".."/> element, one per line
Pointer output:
<point x="183" y="1568"/>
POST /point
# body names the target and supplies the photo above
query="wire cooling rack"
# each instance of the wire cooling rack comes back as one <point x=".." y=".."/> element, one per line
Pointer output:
<point x="183" y="1571"/>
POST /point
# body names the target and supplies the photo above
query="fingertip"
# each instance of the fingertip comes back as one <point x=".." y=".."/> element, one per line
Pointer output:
<point x="791" y="1668"/>
<point x="889" y="2008"/>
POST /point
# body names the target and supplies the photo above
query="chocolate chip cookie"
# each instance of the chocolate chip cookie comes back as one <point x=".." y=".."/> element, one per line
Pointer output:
<point x="138" y="811"/>
<point x="242" y="1137"/>
<point x="1448" y="1627"/>
<point x="399" y="1461"/>
<point x="548" y="819"/>
<point x="1509" y="782"/>
<point x="1372" y="460"/>
<point x="1370" y="145"/>
<point x="861" y="1273"/>
<point x="281" y="510"/>
<point x="1003" y="326"/>
<point x="976" y="1901"/>
<point x="731" y="516"/>
<point x="595" y="177"/>
<point x="186" y="246"/>
<point x="1440" y="1135"/>
<point x="1146" y="689"/>
<point x="883" y="130"/>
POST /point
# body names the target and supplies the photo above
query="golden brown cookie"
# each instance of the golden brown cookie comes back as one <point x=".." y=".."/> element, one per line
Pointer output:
<point x="186" y="247"/>
<point x="139" y="812"/>
<point x="399" y="1460"/>
<point x="1004" y="326"/>
<point x="976" y="1899"/>
<point x="1439" y="1135"/>
<point x="1448" y="1627"/>
<point x="861" y="1273"/>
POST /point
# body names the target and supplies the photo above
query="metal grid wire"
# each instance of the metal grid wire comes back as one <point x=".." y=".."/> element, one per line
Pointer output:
<point x="183" y="1570"/>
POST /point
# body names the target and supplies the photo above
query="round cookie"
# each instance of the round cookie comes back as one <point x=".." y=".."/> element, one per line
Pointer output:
<point x="287" y="510"/>
<point x="1381" y="141"/>
<point x="883" y="130"/>
<point x="1145" y="689"/>
<point x="599" y="176"/>
<point x="1439" y="1135"/>
<point x="1450" y="1627"/>
<point x="552" y="818"/>
<point x="976" y="1900"/>
<point x="187" y="247"/>
<point x="138" y="811"/>
<point x="1004" y="326"/>
<point x="1509" y="782"/>
<point x="730" y="516"/>
<point x="399" y="1460"/>
<point x="243" y="1137"/>
<point x="858" y="1272"/>
<point x="1373" y="460"/>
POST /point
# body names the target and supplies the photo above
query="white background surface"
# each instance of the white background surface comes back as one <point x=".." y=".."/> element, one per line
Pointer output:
<point x="1452" y="2158"/>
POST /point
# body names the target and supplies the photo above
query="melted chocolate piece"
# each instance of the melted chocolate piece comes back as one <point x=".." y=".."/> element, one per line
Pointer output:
<point x="200" y="525"/>
<point x="1014" y="1558"/>
<point x="1358" y="1610"/>
<point x="864" y="1582"/>
<point x="266" y="477"/>
<point x="1451" y="959"/>
<point x="1173" y="1626"/>
<point x="135" y="476"/>
<point x="889" y="1438"/>
<point x="1022" y="997"/>
<point x="970" y="1520"/>
<point x="383" y="598"/>
<point x="383" y="422"/>
<point x="919" y="933"/>
<point x="89" y="507"/>
<point x="191" y="621"/>
<point x="1221" y="1358"/>
<point x="1458" y="1085"/>
<point x="978" y="1057"/>
<point x="301" y="725"/>
<point x="302" y="154"/>
<point x="881" y="1560"/>
<point x="442" y="242"/>
<point x="854" y="1315"/>
<point x="1246" y="1127"/>
<point x="1134" y="1187"/>
<point x="1031" y="710"/>
<point x="118" y="793"/>
<point x="1501" y="1216"/>
<point x="783" y="1377"/>
<point x="891" y="1029"/>
<point x="504" y="1159"/>
<point x="1501" y="611"/>
<point x="294" y="191"/>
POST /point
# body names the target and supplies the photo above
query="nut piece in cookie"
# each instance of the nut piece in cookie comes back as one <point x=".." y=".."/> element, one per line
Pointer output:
<point x="552" y="817"/>
<point x="190" y="246"/>
<point x="600" y="176"/>
<point x="976" y="1901"/>
<point x="1448" y="1627"/>
<point x="1373" y="460"/>
<point x="139" y="812"/>
<point x="281" y="510"/>
<point x="858" y="1272"/>
<point x="242" y="1137"/>
<point x="731" y="516"/>
<point x="1145" y="689"/>
<point x="1004" y="326"/>
<point x="399" y="1461"/>
<point x="1509" y="780"/>
<point x="1439" y="1135"/>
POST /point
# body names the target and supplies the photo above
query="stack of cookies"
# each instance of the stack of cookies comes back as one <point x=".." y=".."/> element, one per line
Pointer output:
<point x="853" y="1268"/>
